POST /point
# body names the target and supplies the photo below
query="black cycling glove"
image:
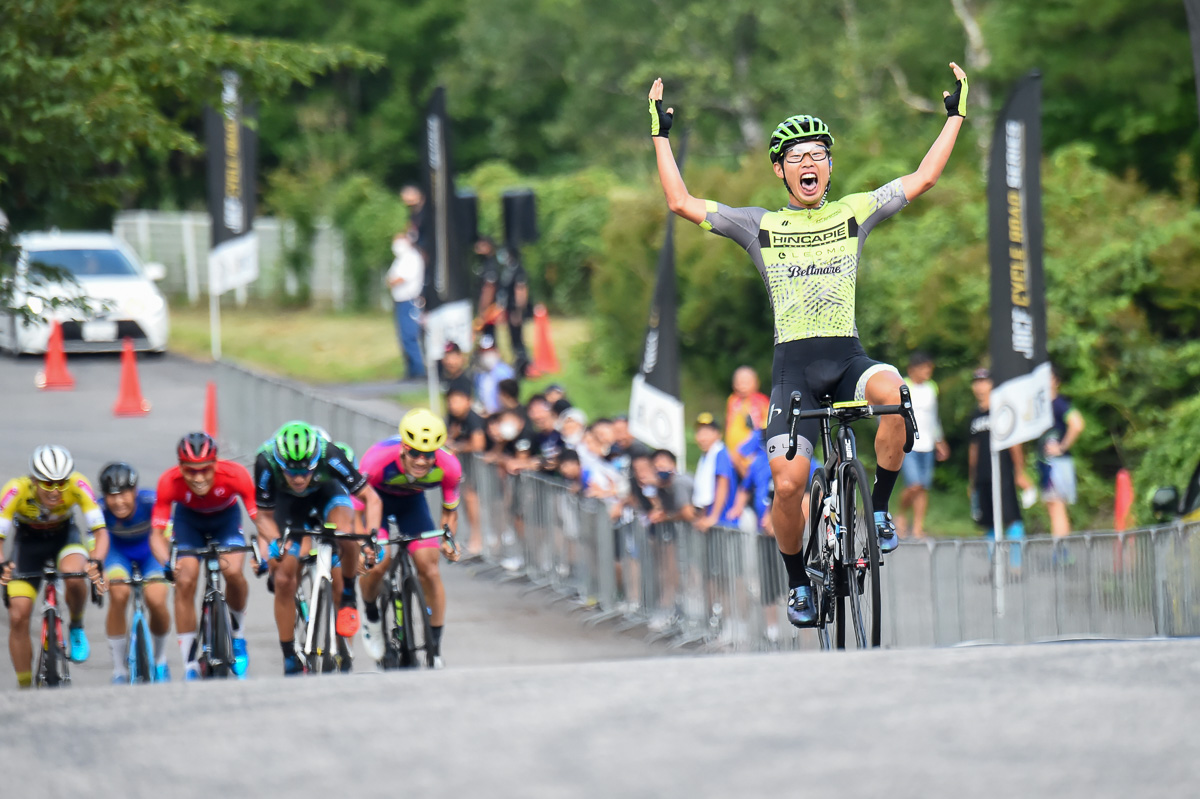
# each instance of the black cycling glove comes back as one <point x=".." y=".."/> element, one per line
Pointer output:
<point x="956" y="101"/>
<point x="660" y="120"/>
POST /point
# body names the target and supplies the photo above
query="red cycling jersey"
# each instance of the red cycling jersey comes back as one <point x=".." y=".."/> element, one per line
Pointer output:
<point x="231" y="481"/>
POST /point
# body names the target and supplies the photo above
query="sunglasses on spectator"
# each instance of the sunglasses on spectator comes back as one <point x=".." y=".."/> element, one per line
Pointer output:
<point x="54" y="487"/>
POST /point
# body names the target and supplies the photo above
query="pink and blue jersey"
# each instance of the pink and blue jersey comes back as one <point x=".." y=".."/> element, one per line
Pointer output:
<point x="385" y="473"/>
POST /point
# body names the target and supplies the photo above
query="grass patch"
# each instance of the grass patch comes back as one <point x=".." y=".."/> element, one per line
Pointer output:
<point x="305" y="345"/>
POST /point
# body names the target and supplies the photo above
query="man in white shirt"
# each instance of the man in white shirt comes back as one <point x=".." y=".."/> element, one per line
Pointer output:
<point x="917" y="468"/>
<point x="406" y="280"/>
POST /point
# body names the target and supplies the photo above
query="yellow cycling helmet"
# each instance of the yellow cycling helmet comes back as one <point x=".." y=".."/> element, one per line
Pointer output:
<point x="421" y="430"/>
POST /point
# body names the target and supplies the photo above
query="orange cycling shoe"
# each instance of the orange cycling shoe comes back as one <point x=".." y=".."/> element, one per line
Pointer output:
<point x="347" y="622"/>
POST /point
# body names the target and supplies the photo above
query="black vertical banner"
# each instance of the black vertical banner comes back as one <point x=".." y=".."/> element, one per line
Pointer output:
<point x="1020" y="403"/>
<point x="446" y="270"/>
<point x="232" y="155"/>
<point x="232" y="158"/>
<point x="1193" y="17"/>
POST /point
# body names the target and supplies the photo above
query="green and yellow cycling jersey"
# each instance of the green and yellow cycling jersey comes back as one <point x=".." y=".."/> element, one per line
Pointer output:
<point x="809" y="259"/>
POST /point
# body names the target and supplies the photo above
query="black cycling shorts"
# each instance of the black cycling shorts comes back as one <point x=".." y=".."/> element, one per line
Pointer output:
<point x="839" y="364"/>
<point x="310" y="510"/>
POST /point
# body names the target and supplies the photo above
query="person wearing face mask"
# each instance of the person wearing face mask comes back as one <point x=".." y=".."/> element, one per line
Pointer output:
<point x="491" y="371"/>
<point x="571" y="424"/>
<point x="406" y="280"/>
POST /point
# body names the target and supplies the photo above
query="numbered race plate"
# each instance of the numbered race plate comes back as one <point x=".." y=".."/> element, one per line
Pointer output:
<point x="99" y="330"/>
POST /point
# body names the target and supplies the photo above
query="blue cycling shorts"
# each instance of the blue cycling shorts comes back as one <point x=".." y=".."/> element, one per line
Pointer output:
<point x="193" y="530"/>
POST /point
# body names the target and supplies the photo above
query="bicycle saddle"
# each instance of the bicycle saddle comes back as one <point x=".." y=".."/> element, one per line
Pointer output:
<point x="823" y="377"/>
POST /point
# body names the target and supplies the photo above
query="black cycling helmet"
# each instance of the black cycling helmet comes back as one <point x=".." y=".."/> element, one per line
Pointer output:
<point x="196" y="448"/>
<point x="118" y="477"/>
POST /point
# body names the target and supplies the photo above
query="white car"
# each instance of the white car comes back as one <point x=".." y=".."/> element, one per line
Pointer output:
<point x="119" y="287"/>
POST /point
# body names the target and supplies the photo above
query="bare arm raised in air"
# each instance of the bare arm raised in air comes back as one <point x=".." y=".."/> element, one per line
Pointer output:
<point x="679" y="200"/>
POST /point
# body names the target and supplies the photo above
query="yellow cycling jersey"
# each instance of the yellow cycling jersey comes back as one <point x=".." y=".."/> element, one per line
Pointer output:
<point x="19" y="505"/>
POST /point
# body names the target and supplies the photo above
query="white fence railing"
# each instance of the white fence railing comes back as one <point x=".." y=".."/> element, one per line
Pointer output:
<point x="180" y="241"/>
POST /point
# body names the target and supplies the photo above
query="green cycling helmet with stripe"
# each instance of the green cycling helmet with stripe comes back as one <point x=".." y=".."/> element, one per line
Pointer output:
<point x="298" y="447"/>
<point x="802" y="127"/>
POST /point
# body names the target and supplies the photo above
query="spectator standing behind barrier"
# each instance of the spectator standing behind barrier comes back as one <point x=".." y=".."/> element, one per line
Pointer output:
<point x="406" y="280"/>
<point x="572" y="424"/>
<point x="745" y="412"/>
<point x="465" y="435"/>
<point x="1056" y="467"/>
<point x="454" y="370"/>
<point x="675" y="489"/>
<point x="547" y="441"/>
<point x="491" y="371"/>
<point x="715" y="481"/>
<point x="979" y="472"/>
<point x="931" y="447"/>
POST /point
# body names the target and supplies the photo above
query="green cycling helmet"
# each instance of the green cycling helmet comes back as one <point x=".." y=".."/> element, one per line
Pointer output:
<point x="298" y="447"/>
<point x="801" y="127"/>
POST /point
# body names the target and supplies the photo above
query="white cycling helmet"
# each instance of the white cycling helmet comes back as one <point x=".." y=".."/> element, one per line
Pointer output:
<point x="50" y="463"/>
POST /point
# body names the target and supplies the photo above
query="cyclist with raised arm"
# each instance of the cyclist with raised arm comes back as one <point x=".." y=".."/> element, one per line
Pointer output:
<point x="204" y="492"/>
<point x="304" y="478"/>
<point x="127" y="515"/>
<point x="36" y="521"/>
<point x="808" y="255"/>
<point x="401" y="469"/>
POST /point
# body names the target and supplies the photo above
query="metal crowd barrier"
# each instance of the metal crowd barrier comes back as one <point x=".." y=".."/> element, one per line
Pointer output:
<point x="723" y="589"/>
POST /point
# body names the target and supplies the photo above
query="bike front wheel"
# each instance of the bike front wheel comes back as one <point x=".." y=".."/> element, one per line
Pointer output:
<point x="217" y="644"/>
<point x="860" y="558"/>
<point x="52" y="659"/>
<point x="140" y="656"/>
<point x="320" y="649"/>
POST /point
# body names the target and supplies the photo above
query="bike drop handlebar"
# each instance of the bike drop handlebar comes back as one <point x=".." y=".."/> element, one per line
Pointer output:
<point x="854" y="413"/>
<point x="400" y="538"/>
<point x="50" y="573"/>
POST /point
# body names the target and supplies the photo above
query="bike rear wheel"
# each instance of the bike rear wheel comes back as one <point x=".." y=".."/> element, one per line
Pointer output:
<point x="815" y="558"/>
<point x="418" y="637"/>
<point x="861" y="559"/>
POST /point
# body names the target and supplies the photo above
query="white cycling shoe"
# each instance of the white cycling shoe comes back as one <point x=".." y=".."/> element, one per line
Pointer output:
<point x="372" y="638"/>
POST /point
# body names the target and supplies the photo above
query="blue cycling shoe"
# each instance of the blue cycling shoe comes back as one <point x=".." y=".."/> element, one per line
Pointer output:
<point x="191" y="673"/>
<point x="801" y="609"/>
<point x="241" y="660"/>
<point x="292" y="666"/>
<point x="162" y="673"/>
<point x="80" y="648"/>
<point x="120" y="679"/>
<point x="885" y="531"/>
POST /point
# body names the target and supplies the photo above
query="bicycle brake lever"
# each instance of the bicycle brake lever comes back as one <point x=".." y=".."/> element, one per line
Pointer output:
<point x="910" y="422"/>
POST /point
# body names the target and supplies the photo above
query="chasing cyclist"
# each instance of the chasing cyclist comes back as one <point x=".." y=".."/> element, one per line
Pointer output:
<point x="127" y="515"/>
<point x="304" y="478"/>
<point x="808" y="254"/>
<point x="37" y="510"/>
<point x="401" y="469"/>
<point x="204" y="492"/>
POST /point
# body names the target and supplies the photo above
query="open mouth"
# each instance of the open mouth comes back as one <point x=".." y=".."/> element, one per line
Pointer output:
<point x="808" y="182"/>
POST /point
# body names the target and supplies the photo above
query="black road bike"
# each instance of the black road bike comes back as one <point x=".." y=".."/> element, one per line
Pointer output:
<point x="214" y="640"/>
<point x="52" y="666"/>
<point x="407" y="631"/>
<point x="841" y="551"/>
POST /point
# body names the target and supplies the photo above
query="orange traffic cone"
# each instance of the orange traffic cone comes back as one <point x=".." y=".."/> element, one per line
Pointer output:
<point x="210" y="410"/>
<point x="55" y="376"/>
<point x="129" y="399"/>
<point x="544" y="359"/>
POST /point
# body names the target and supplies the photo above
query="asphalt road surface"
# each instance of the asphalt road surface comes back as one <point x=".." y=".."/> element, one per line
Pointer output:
<point x="532" y="704"/>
